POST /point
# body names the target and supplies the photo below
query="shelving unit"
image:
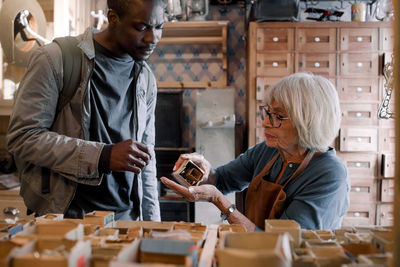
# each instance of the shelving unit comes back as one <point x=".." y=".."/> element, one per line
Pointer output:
<point x="174" y="49"/>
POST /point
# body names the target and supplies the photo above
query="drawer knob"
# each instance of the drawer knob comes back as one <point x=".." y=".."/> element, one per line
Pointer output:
<point x="383" y="214"/>
<point x="358" y="164"/>
<point x="357" y="189"/>
<point x="275" y="39"/>
<point x="316" y="39"/>
<point x="259" y="64"/>
<point x="359" y="139"/>
<point x="359" y="89"/>
<point x="258" y="89"/>
<point x="11" y="211"/>
<point x="275" y="64"/>
<point x="359" y="39"/>
<point x="359" y="64"/>
<point x="358" y="114"/>
<point x="317" y="64"/>
<point x="356" y="214"/>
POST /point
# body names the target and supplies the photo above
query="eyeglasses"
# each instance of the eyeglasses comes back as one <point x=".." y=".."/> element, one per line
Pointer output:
<point x="274" y="119"/>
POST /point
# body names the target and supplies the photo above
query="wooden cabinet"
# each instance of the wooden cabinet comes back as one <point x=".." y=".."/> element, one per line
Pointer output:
<point x="351" y="55"/>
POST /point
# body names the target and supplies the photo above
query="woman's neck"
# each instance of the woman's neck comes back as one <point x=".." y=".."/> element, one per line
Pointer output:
<point x="294" y="155"/>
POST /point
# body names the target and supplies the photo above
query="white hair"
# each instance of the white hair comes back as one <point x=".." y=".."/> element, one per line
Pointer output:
<point x="312" y="104"/>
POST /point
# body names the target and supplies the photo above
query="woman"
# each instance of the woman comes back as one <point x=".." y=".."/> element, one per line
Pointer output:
<point x="294" y="174"/>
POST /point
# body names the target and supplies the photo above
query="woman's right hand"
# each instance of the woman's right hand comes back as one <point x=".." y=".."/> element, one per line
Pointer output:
<point x="199" y="160"/>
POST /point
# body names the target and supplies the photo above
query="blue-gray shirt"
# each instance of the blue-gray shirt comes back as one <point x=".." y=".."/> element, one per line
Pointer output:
<point x="317" y="199"/>
<point x="112" y="121"/>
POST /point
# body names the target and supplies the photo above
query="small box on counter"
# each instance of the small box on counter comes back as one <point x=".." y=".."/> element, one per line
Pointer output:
<point x="168" y="251"/>
<point x="188" y="174"/>
<point x="9" y="249"/>
<point x="254" y="249"/>
<point x="99" y="217"/>
<point x="50" y="252"/>
<point x="281" y="226"/>
<point x="61" y="229"/>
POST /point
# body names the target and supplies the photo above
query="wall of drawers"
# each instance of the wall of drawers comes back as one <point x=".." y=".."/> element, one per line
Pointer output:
<point x="351" y="55"/>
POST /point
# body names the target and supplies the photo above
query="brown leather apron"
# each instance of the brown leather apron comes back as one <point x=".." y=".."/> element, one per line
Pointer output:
<point x="266" y="200"/>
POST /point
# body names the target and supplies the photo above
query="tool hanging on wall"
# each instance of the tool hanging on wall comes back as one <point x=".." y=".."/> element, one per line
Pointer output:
<point x="23" y="27"/>
<point x="384" y="112"/>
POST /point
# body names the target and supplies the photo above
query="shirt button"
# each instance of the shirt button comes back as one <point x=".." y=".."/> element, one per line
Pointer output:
<point x="290" y="165"/>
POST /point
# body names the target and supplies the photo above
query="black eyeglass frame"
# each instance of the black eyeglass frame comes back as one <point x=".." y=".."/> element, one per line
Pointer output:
<point x="273" y="117"/>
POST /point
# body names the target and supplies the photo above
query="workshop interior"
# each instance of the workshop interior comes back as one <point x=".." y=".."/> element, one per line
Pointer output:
<point x="214" y="64"/>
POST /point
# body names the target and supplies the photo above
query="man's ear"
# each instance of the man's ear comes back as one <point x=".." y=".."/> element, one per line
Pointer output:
<point x="112" y="17"/>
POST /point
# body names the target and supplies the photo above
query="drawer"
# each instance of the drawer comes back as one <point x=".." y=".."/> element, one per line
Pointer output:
<point x="387" y="140"/>
<point x="358" y="139"/>
<point x="360" y="214"/>
<point x="280" y="39"/>
<point x="385" y="214"/>
<point x="359" y="114"/>
<point x="358" y="89"/>
<point x="363" y="190"/>
<point x="360" y="165"/>
<point x="387" y="39"/>
<point x="262" y="85"/>
<point x="275" y="64"/>
<point x="388" y="165"/>
<point x="356" y="39"/>
<point x="387" y="190"/>
<point x="321" y="64"/>
<point x="316" y="40"/>
<point x="360" y="64"/>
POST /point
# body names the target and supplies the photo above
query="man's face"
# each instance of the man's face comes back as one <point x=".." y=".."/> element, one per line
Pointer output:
<point x="139" y="30"/>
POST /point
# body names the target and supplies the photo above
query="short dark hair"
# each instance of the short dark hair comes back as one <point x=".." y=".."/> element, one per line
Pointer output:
<point x="122" y="6"/>
<point x="119" y="6"/>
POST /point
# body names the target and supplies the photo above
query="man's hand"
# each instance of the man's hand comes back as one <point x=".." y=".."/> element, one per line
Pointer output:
<point x="205" y="192"/>
<point x="130" y="156"/>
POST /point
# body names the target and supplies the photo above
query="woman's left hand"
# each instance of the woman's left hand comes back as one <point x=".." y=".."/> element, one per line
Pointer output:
<point x="204" y="192"/>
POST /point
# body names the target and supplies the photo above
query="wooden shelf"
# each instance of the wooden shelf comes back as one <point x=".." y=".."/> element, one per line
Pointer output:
<point x="196" y="33"/>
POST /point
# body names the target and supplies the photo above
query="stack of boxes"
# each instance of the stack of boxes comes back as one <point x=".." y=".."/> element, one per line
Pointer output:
<point x="98" y="241"/>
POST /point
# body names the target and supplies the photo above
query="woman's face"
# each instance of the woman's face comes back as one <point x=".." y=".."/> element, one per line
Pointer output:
<point x="285" y="137"/>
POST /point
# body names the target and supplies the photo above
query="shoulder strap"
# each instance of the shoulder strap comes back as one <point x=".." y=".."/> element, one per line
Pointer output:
<point x="72" y="64"/>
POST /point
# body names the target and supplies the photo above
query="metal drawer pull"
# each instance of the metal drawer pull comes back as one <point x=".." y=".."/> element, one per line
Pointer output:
<point x="11" y="211"/>
<point x="359" y="139"/>
<point x="317" y="65"/>
<point x="358" y="164"/>
<point x="316" y="39"/>
<point x="356" y="214"/>
<point x="275" y="39"/>
<point x="275" y="64"/>
<point x="359" y="64"/>
<point x="258" y="89"/>
<point x="357" y="189"/>
<point x="359" y="39"/>
<point x="359" y="89"/>
<point x="358" y="114"/>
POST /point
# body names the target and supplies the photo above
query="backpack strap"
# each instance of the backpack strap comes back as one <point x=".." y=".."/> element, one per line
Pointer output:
<point x="72" y="65"/>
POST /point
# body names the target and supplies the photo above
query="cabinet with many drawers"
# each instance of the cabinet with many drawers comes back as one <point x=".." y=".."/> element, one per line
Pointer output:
<point x="351" y="55"/>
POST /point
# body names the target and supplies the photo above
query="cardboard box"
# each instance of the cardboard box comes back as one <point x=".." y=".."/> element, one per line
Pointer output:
<point x="330" y="256"/>
<point x="168" y="251"/>
<point x="383" y="241"/>
<point x="146" y="225"/>
<point x="361" y="248"/>
<point x="61" y="229"/>
<point x="50" y="217"/>
<point x="8" y="250"/>
<point x="254" y="249"/>
<point x="102" y="256"/>
<point x="280" y="226"/>
<point x="382" y="259"/>
<point x="54" y="251"/>
<point x="99" y="217"/>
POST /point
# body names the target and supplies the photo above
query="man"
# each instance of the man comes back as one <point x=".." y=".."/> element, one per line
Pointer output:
<point x="97" y="153"/>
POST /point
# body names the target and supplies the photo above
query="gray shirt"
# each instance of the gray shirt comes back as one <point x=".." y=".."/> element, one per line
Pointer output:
<point x="317" y="199"/>
<point x="112" y="121"/>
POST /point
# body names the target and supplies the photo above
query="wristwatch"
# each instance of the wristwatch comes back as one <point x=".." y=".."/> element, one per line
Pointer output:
<point x="225" y="215"/>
